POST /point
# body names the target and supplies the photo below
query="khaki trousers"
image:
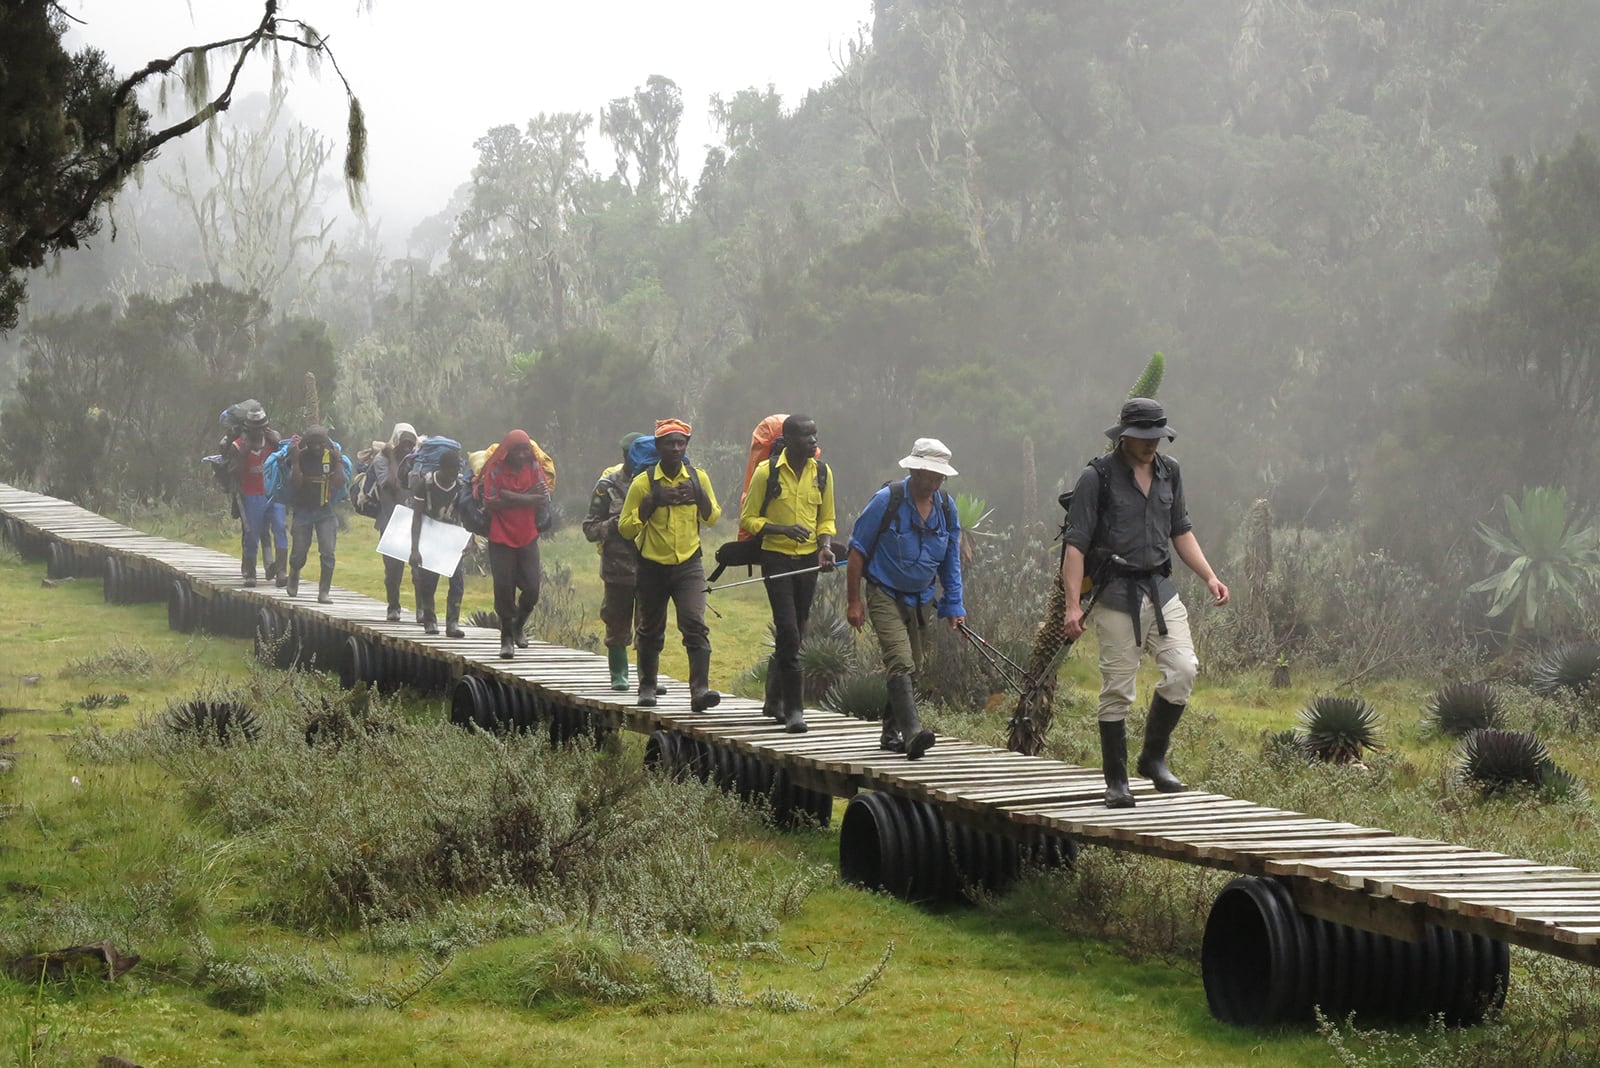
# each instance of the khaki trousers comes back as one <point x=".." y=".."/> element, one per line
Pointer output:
<point x="902" y="631"/>
<point x="1119" y="656"/>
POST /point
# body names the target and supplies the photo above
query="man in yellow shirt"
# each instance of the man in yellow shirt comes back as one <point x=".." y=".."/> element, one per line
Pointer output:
<point x="789" y="506"/>
<point x="666" y="506"/>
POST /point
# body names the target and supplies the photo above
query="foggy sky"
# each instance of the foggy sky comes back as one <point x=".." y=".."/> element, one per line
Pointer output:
<point x="432" y="78"/>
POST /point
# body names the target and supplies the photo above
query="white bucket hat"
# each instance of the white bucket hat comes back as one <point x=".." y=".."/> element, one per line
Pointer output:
<point x="928" y="454"/>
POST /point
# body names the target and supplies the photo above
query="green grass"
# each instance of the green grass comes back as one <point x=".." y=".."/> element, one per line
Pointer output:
<point x="1036" y="979"/>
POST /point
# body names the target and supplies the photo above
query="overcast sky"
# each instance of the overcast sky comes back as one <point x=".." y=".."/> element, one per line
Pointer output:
<point x="433" y="77"/>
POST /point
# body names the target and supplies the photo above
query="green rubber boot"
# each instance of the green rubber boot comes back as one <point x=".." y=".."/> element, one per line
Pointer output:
<point x="617" y="655"/>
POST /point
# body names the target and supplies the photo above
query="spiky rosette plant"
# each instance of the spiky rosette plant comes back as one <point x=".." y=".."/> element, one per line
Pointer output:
<point x="862" y="696"/>
<point x="1574" y="666"/>
<point x="218" y="721"/>
<point x="1338" y="730"/>
<point x="1496" y="760"/>
<point x="825" y="660"/>
<point x="1560" y="784"/>
<point x="1284" y="745"/>
<point x="484" y="618"/>
<point x="752" y="681"/>
<point x="1462" y="707"/>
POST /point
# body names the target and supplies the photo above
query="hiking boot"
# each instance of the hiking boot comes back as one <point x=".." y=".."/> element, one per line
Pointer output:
<point x="519" y="633"/>
<point x="325" y="587"/>
<point x="701" y="696"/>
<point x="772" y="704"/>
<point x="648" y="663"/>
<point x="890" y="738"/>
<point x="617" y="658"/>
<point x="794" y="704"/>
<point x="292" y="583"/>
<point x="903" y="703"/>
<point x="1158" y="725"/>
<point x="508" y="649"/>
<point x="1114" y="762"/>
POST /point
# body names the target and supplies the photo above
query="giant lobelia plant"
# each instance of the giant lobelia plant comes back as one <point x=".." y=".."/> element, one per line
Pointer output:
<point x="1553" y="564"/>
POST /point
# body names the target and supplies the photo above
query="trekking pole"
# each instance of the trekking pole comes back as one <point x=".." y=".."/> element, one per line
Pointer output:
<point x="1008" y="669"/>
<point x="763" y="578"/>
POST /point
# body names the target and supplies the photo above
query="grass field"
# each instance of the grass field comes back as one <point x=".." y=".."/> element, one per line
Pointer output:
<point x="1093" y="967"/>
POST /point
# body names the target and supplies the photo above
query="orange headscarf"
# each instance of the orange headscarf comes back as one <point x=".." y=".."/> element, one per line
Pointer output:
<point x="672" y="426"/>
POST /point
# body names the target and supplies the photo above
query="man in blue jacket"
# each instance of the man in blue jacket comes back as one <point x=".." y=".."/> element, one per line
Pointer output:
<point x="905" y="540"/>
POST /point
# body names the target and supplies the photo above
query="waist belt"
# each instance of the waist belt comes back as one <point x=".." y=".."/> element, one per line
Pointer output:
<point x="1146" y="582"/>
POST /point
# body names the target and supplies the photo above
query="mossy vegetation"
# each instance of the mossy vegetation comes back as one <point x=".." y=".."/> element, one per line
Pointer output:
<point x="398" y="890"/>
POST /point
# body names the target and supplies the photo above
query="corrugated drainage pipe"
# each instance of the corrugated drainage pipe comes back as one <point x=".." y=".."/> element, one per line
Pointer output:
<point x="1265" y="963"/>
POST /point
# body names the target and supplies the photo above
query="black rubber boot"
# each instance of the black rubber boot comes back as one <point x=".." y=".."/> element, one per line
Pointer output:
<point x="452" y="617"/>
<point x="772" y="704"/>
<point x="1114" y="762"/>
<point x="519" y="633"/>
<point x="649" y="662"/>
<point x="1158" y="726"/>
<point x="508" y="649"/>
<point x="292" y="584"/>
<point x="249" y="573"/>
<point x="903" y="703"/>
<point x="701" y="695"/>
<point x="325" y="587"/>
<point x="429" y="618"/>
<point x="890" y="738"/>
<point x="792" y="685"/>
<point x="280" y="577"/>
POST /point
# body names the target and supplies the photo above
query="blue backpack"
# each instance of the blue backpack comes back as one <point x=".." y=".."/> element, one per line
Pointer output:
<point x="428" y="453"/>
<point x="275" y="473"/>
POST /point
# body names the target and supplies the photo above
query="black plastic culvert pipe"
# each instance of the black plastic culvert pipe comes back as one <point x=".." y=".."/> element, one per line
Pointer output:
<point x="1266" y="963"/>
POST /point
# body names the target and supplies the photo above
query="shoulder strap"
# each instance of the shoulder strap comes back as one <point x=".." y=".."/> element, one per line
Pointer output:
<point x="897" y="497"/>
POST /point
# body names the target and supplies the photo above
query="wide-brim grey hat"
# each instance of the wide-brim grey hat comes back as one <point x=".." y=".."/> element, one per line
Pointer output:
<point x="928" y="454"/>
<point x="1142" y="418"/>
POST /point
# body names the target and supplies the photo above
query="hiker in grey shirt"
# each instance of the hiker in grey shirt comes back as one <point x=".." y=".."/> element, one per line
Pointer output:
<point x="1128" y="542"/>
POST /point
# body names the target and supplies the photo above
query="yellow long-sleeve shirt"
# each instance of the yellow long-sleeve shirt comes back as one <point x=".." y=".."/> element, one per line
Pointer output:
<point x="799" y="501"/>
<point x="672" y="534"/>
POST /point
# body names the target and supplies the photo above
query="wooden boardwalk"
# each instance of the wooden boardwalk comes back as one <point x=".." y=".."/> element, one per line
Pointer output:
<point x="1364" y="877"/>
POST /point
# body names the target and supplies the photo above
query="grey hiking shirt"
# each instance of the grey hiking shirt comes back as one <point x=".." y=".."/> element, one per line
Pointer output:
<point x="1137" y="528"/>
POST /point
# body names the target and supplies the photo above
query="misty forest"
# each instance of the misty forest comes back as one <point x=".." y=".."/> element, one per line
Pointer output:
<point x="1365" y="238"/>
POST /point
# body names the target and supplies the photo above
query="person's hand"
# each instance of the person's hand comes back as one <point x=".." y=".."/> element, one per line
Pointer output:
<point x="792" y="531"/>
<point x="855" y="614"/>
<point x="661" y="495"/>
<point x="825" y="558"/>
<point x="416" y="558"/>
<point x="957" y="622"/>
<point x="1219" y="592"/>
<point x="1074" y="621"/>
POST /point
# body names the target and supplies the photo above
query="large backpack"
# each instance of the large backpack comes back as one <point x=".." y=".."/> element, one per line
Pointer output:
<point x="470" y="509"/>
<point x="363" y="491"/>
<point x="274" y="477"/>
<point x="275" y="474"/>
<point x="426" y="456"/>
<point x="765" y="440"/>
